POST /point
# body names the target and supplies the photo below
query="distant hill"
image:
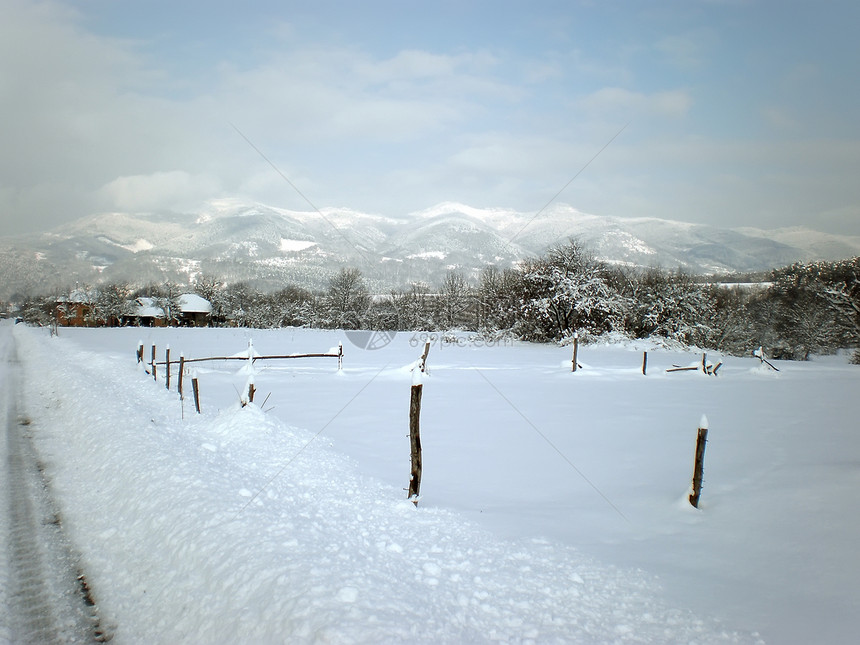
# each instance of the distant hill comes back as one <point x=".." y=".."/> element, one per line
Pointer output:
<point x="272" y="247"/>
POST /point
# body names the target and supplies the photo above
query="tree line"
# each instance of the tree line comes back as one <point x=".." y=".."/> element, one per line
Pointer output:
<point x="792" y="312"/>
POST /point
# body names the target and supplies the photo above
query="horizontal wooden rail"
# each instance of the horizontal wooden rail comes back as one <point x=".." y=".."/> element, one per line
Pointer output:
<point x="245" y="358"/>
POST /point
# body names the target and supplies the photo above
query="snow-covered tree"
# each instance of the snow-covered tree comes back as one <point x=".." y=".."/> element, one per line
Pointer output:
<point x="842" y="293"/>
<point x="112" y="303"/>
<point x="241" y="300"/>
<point x="37" y="310"/>
<point x="732" y="326"/>
<point x="215" y="291"/>
<point x="675" y="306"/>
<point x="292" y="306"/>
<point x="166" y="296"/>
<point x="818" y="306"/>
<point x="568" y="290"/>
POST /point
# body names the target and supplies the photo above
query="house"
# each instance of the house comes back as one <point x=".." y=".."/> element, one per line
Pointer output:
<point x="194" y="311"/>
<point x="75" y="309"/>
<point x="145" y="313"/>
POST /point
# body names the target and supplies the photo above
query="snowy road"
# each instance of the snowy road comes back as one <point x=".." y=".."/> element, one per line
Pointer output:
<point x="42" y="586"/>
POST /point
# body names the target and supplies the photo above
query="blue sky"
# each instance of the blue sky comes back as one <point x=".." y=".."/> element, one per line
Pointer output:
<point x="732" y="113"/>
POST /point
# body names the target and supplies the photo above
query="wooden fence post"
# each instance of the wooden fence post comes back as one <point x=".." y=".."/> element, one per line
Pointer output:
<point x="196" y="392"/>
<point x="759" y="354"/>
<point x="415" y="424"/>
<point x="139" y="351"/>
<point x="415" y="439"/>
<point x="181" y="370"/>
<point x="154" y="376"/>
<point x="575" y="349"/>
<point x="167" y="368"/>
<point x="423" y="362"/>
<point x="339" y="357"/>
<point x="644" y="363"/>
<point x="698" y="471"/>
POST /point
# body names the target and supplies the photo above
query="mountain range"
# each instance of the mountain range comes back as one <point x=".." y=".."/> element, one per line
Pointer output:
<point x="272" y="247"/>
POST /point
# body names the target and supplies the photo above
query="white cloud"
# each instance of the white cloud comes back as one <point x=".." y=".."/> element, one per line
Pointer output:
<point x="173" y="190"/>
<point x="344" y="94"/>
<point x="93" y="122"/>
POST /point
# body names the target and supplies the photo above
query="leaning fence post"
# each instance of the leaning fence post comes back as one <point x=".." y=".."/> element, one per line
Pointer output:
<point x="423" y="362"/>
<point x="701" y="440"/>
<point x="196" y="392"/>
<point x="575" y="349"/>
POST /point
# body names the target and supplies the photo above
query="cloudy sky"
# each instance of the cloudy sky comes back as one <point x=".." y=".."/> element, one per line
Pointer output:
<point x="733" y="112"/>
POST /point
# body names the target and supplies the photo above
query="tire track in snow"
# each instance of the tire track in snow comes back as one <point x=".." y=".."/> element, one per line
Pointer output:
<point x="47" y="596"/>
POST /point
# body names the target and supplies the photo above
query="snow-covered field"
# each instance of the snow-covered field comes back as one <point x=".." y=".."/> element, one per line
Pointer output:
<point x="553" y="505"/>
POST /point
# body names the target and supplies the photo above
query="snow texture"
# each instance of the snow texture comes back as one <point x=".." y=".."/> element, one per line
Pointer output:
<point x="552" y="507"/>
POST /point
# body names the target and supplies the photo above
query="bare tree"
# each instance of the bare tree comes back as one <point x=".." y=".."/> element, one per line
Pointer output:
<point x="498" y="298"/>
<point x="347" y="300"/>
<point x="454" y="299"/>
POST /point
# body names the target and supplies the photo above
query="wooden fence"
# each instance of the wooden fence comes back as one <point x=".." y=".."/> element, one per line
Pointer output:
<point x="152" y="366"/>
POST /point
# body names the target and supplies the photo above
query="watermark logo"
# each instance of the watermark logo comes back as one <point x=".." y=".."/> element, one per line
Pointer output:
<point x="370" y="340"/>
<point x="455" y="339"/>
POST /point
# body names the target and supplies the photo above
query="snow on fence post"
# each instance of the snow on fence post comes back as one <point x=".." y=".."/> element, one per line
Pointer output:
<point x="644" y="363"/>
<point x="196" y="391"/>
<point x="339" y="357"/>
<point x="139" y="351"/>
<point x="247" y="395"/>
<point x="575" y="350"/>
<point x="759" y="354"/>
<point x="154" y="376"/>
<point x="698" y="471"/>
<point x="167" y="368"/>
<point x="415" y="425"/>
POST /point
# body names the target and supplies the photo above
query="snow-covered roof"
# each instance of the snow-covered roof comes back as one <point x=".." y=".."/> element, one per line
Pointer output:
<point x="79" y="296"/>
<point x="146" y="308"/>
<point x="191" y="303"/>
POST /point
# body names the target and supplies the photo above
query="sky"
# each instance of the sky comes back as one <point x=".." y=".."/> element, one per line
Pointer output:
<point x="726" y="112"/>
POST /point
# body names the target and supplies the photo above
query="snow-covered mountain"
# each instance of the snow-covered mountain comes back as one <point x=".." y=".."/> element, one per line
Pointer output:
<point x="272" y="246"/>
